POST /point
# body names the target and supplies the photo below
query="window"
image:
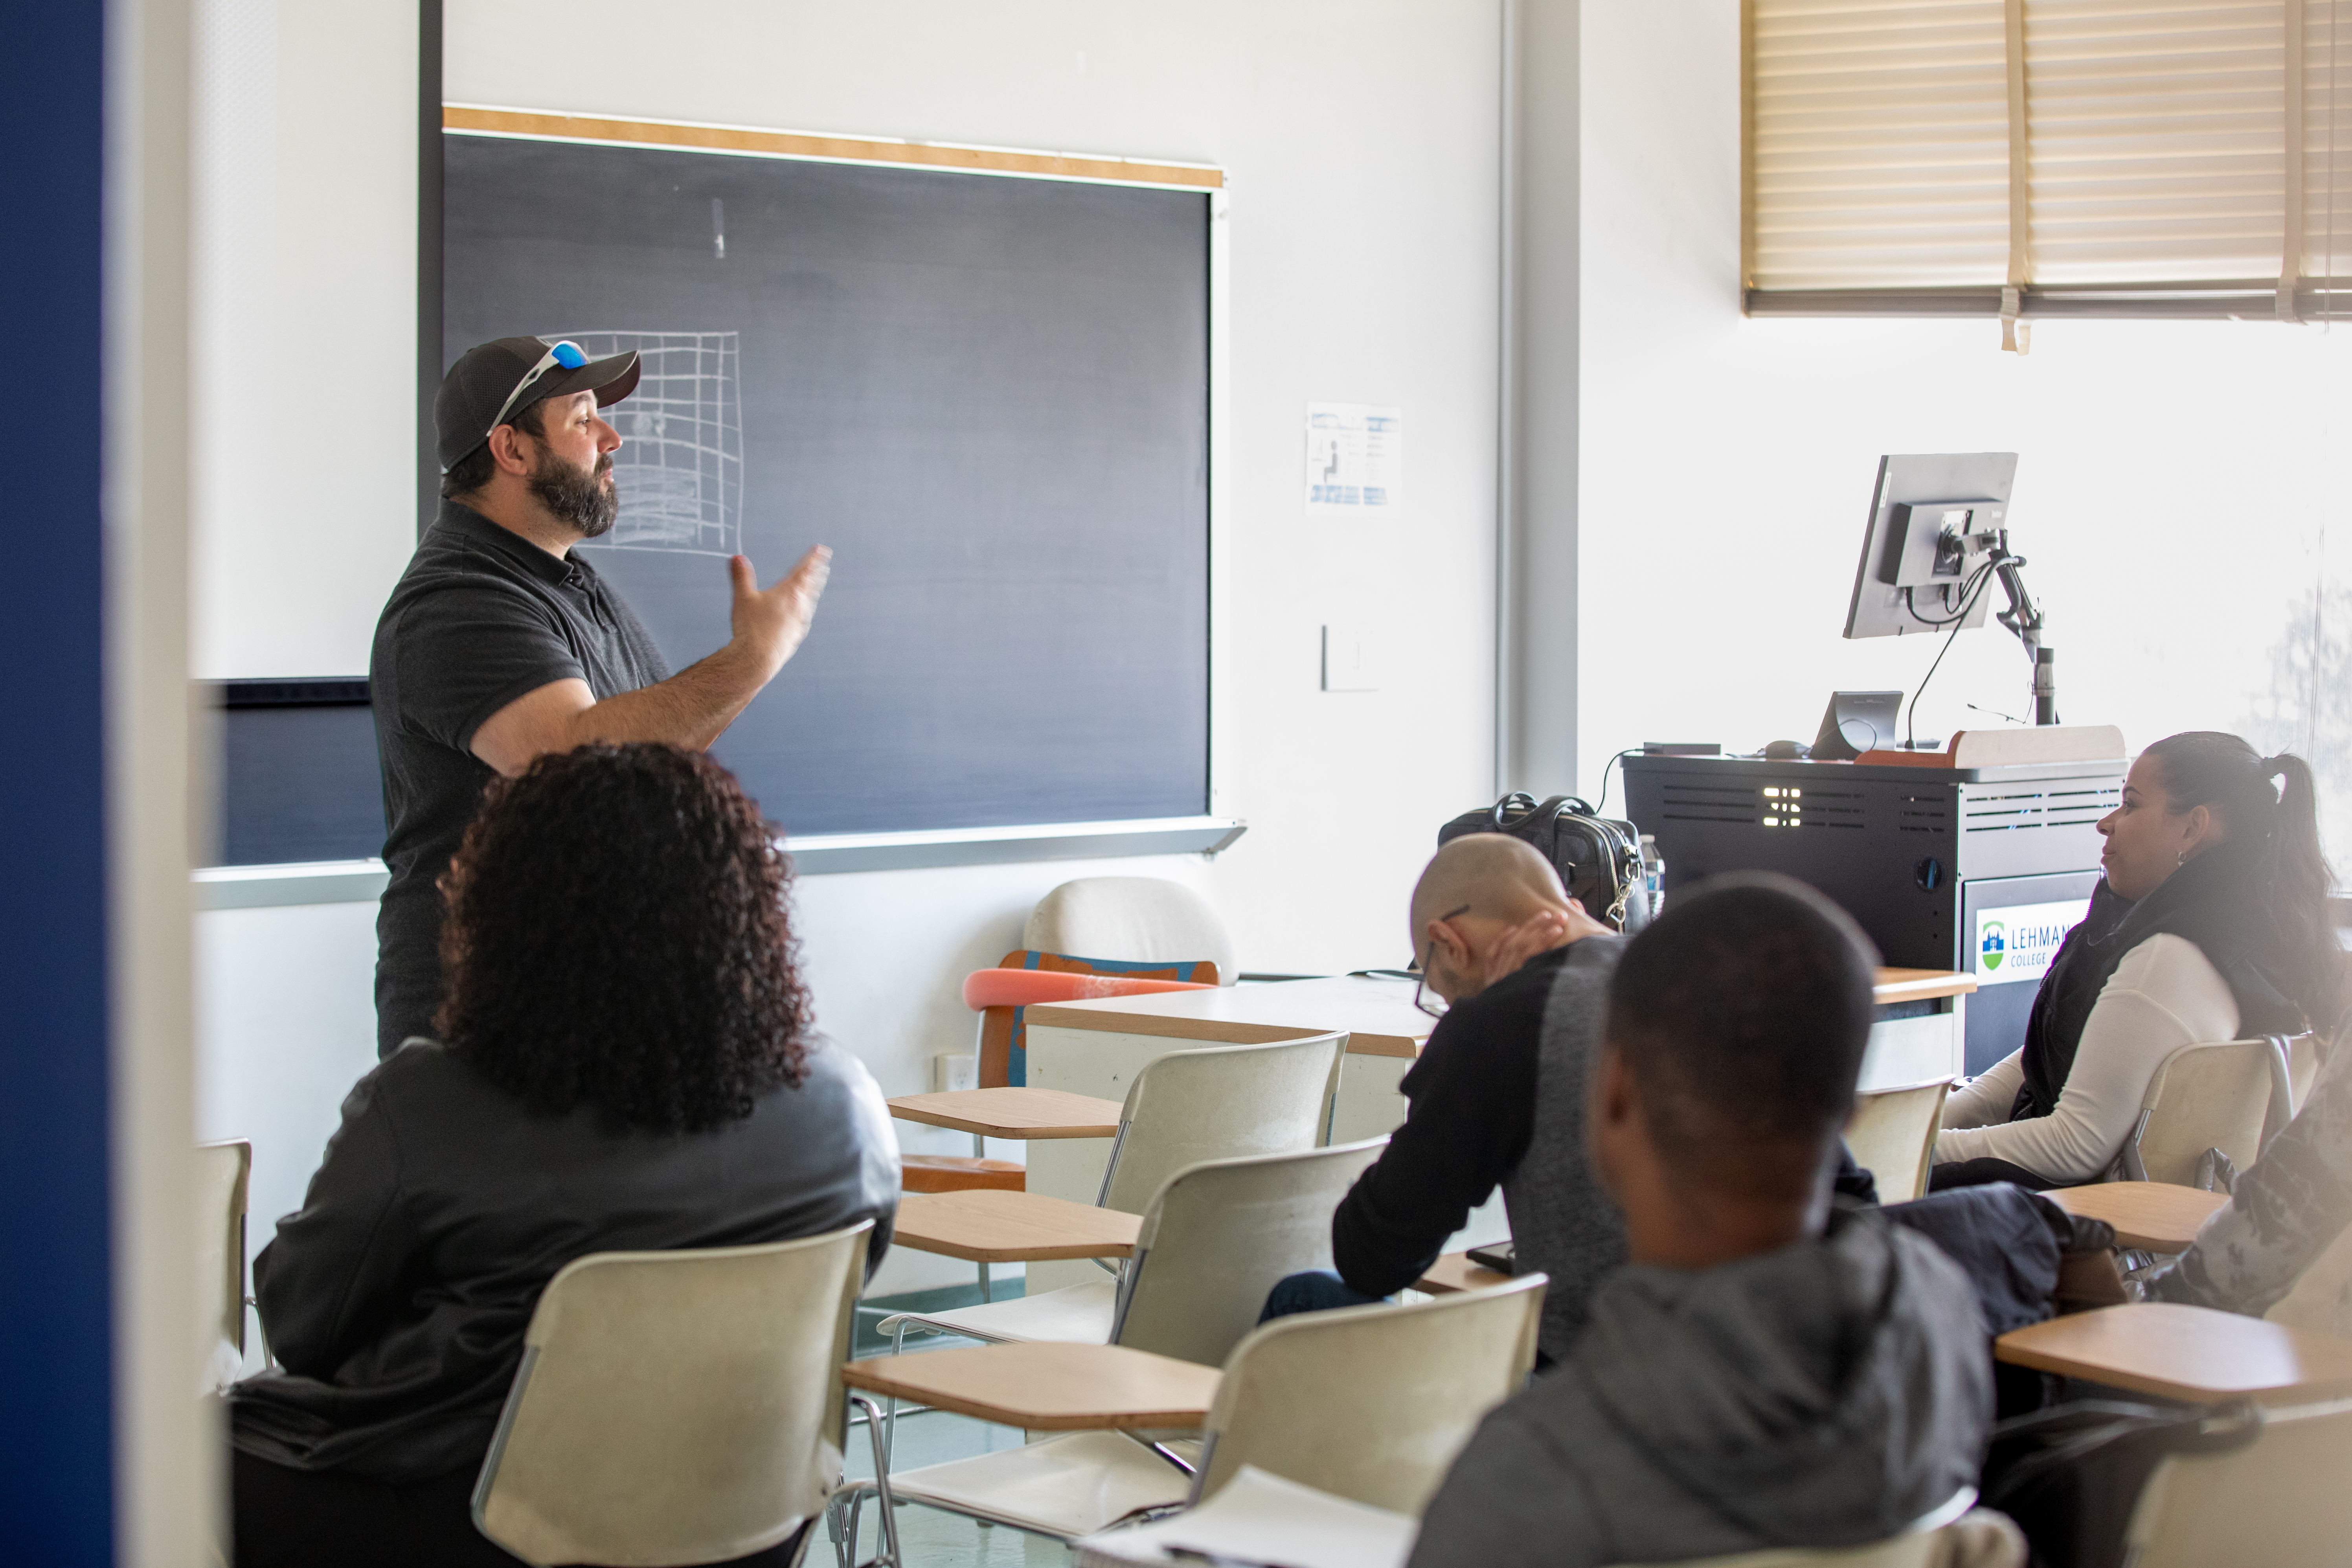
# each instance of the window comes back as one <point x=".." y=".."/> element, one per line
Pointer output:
<point x="2047" y="157"/>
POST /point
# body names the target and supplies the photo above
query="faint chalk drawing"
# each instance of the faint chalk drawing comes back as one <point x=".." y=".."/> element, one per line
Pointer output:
<point x="679" y="471"/>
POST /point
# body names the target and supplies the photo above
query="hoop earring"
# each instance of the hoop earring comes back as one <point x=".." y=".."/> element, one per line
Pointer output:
<point x="2181" y="861"/>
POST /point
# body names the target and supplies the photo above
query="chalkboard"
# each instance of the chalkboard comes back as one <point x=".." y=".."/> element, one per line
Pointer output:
<point x="988" y="394"/>
<point x="298" y="775"/>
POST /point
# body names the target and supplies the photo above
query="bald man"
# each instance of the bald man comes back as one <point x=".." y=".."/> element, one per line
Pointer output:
<point x="1497" y="1096"/>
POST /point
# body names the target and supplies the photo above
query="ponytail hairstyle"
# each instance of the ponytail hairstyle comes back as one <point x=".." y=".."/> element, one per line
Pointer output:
<point x="2274" y="832"/>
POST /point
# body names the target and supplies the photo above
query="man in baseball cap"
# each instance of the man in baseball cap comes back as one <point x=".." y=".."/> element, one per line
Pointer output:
<point x="499" y="643"/>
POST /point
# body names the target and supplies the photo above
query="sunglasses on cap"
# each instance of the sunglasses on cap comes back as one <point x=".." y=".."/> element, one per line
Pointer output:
<point x="566" y="355"/>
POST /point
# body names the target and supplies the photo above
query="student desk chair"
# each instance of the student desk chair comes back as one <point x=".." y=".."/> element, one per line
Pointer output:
<point x="1045" y="1386"/>
<point x="2192" y="1353"/>
<point x="2156" y="1215"/>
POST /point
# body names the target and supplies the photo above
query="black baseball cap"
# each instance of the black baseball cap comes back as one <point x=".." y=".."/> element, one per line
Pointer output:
<point x="493" y="381"/>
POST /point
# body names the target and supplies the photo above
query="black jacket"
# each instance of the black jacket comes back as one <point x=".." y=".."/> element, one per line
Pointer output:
<point x="1471" y="1099"/>
<point x="395" y="1298"/>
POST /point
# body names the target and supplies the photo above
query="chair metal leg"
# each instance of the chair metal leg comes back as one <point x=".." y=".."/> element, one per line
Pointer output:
<point x="898" y="1346"/>
<point x="842" y="1545"/>
<point x="849" y="1541"/>
<point x="888" y="1551"/>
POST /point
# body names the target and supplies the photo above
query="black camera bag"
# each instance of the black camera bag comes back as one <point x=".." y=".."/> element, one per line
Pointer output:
<point x="1598" y="858"/>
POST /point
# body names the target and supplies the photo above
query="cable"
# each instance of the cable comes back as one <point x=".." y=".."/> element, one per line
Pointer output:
<point x="1967" y="587"/>
<point x="1603" y="809"/>
<point x="1982" y="579"/>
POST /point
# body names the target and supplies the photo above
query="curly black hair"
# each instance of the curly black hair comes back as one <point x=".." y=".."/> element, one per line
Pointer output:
<point x="617" y="933"/>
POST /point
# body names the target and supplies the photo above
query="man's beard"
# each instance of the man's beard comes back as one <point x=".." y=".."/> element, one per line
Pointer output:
<point x="577" y="495"/>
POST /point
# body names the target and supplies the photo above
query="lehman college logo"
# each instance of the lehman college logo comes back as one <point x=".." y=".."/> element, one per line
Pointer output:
<point x="1994" y="947"/>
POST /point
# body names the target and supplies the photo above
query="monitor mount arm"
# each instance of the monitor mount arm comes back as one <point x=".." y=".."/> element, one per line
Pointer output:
<point x="2023" y="618"/>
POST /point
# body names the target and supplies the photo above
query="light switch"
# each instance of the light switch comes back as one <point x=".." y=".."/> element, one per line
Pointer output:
<point x="1350" y="659"/>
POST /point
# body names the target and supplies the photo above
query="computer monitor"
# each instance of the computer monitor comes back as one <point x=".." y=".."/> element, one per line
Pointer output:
<point x="1914" y="562"/>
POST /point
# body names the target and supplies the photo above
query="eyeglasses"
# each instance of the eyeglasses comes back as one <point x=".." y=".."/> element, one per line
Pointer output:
<point x="566" y="354"/>
<point x="1427" y="1001"/>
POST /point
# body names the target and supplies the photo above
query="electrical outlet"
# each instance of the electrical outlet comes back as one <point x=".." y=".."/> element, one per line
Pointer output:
<point x="952" y="1070"/>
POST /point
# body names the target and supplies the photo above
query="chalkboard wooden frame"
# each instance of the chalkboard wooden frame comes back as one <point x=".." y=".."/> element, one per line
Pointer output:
<point x="1208" y="833"/>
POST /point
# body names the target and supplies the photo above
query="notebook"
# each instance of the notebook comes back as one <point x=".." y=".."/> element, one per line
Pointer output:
<point x="1260" y="1520"/>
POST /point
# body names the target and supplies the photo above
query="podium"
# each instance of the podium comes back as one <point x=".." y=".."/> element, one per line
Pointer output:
<point x="1974" y="867"/>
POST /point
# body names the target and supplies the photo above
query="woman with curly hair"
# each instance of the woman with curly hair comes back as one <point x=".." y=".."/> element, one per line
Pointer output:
<point x="627" y="1061"/>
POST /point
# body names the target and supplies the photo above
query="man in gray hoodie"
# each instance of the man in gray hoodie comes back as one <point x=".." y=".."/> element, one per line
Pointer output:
<point x="1761" y="1373"/>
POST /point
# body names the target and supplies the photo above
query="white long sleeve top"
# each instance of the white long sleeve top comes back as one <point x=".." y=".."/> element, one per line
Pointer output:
<point x="2164" y="994"/>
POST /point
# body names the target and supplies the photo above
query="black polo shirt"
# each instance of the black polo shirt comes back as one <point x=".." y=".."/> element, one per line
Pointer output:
<point x="480" y="617"/>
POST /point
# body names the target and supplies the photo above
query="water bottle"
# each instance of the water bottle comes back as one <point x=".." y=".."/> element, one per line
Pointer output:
<point x="1654" y="875"/>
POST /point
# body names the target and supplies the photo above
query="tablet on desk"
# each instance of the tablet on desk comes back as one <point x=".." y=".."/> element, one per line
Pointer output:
<point x="1496" y="1256"/>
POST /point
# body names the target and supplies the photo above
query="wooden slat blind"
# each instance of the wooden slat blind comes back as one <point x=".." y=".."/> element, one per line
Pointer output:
<point x="2156" y="157"/>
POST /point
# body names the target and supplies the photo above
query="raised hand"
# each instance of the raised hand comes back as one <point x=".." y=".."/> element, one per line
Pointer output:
<point x="771" y="622"/>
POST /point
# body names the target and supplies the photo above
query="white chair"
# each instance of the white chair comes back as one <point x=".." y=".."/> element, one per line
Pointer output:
<point x="1139" y="918"/>
<point x="2210" y="1096"/>
<point x="1220" y="1102"/>
<point x="678" y="1407"/>
<point x="224" y="1171"/>
<point x="1216" y="1240"/>
<point x="1183" y="1109"/>
<point x="2279" y="1503"/>
<point x="1367" y="1402"/>
<point x="1892" y="1134"/>
<point x="1956" y="1535"/>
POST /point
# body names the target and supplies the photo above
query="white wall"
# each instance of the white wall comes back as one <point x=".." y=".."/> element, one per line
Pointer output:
<point x="2175" y="485"/>
<point x="1361" y="142"/>
<point x="305" y="395"/>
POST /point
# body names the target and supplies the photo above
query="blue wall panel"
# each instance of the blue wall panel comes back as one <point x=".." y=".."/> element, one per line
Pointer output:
<point x="56" y="1435"/>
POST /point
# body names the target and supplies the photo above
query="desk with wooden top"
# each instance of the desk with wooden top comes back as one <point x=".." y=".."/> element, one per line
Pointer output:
<point x="2157" y="1215"/>
<point x="1454" y="1272"/>
<point x="2192" y="1354"/>
<point x="1026" y="1114"/>
<point x="1048" y="1387"/>
<point x="1096" y="1047"/>
<point x="988" y="1225"/>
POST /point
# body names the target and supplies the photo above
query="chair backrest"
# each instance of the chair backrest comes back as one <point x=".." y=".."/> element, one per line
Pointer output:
<point x="2278" y="1503"/>
<point x="1891" y="1135"/>
<point x="1219" y="1236"/>
<point x="675" y="1407"/>
<point x="2206" y="1097"/>
<point x="1370" y="1403"/>
<point x="1130" y="918"/>
<point x="1221" y="1102"/>
<point x="224" y="1171"/>
<point x="1002" y="996"/>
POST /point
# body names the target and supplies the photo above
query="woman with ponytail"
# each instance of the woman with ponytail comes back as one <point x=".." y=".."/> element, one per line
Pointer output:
<point x="2211" y="923"/>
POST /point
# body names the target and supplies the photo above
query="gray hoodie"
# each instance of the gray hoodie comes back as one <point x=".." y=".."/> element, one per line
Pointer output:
<point x="1824" y="1394"/>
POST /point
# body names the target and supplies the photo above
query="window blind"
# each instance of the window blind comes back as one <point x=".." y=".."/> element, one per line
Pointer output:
<point x="2052" y="157"/>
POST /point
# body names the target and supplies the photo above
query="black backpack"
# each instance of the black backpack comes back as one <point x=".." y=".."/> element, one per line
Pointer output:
<point x="1598" y="858"/>
<point x="2071" y="1475"/>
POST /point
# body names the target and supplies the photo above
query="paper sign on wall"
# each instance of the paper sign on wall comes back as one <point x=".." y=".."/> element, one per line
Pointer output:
<point x="1355" y="460"/>
<point x="2018" y="943"/>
